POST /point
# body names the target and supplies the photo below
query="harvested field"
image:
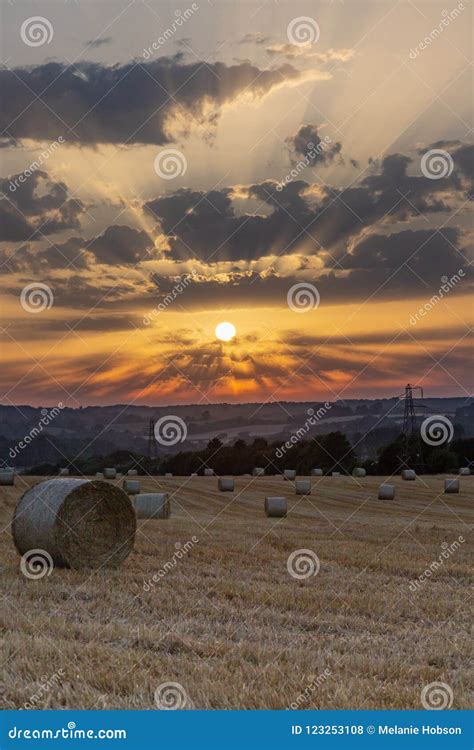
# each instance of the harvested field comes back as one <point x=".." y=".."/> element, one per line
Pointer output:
<point x="205" y="600"/>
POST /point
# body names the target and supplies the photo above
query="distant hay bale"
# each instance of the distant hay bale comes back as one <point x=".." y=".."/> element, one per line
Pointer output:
<point x="225" y="484"/>
<point x="80" y="523"/>
<point x="408" y="475"/>
<point x="119" y="475"/>
<point x="168" y="475"/>
<point x="99" y="475"/>
<point x="152" y="505"/>
<point x="451" y="486"/>
<point x="131" y="486"/>
<point x="316" y="472"/>
<point x="8" y="469"/>
<point x="464" y="471"/>
<point x="335" y="473"/>
<point x="258" y="471"/>
<point x="289" y="475"/>
<point x="387" y="492"/>
<point x="132" y="472"/>
<point x="110" y="473"/>
<point x="194" y="474"/>
<point x="208" y="472"/>
<point x="303" y="487"/>
<point x="276" y="507"/>
<point x="7" y="478"/>
<point x="63" y="472"/>
<point x="358" y="472"/>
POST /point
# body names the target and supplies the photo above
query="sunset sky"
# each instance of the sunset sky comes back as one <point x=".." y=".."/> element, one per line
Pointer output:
<point x="302" y="139"/>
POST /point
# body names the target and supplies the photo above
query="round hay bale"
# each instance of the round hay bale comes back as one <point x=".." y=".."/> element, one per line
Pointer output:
<point x="131" y="486"/>
<point x="303" y="487"/>
<point x="408" y="475"/>
<point x="8" y="469"/>
<point x="7" y="478"/>
<point x="316" y="472"/>
<point x="289" y="475"/>
<point x="451" y="486"/>
<point x="168" y="475"/>
<point x="225" y="484"/>
<point x="335" y="473"/>
<point x="194" y="474"/>
<point x="99" y="475"/>
<point x="358" y="472"/>
<point x="119" y="475"/>
<point x="208" y="472"/>
<point x="152" y="505"/>
<point x="110" y="473"/>
<point x="258" y="472"/>
<point x="276" y="507"/>
<point x="132" y="472"/>
<point x="63" y="472"/>
<point x="387" y="492"/>
<point x="464" y="471"/>
<point x="80" y="523"/>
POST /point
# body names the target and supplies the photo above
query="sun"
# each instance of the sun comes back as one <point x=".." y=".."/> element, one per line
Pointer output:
<point x="225" y="331"/>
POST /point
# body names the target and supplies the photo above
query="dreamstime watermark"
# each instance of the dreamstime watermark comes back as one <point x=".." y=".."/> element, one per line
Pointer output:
<point x="448" y="17"/>
<point x="45" y="685"/>
<point x="170" y="297"/>
<point x="301" y="432"/>
<point x="36" y="563"/>
<point x="35" y="165"/>
<point x="435" y="565"/>
<point x="47" y="417"/>
<point x="437" y="430"/>
<point x="436" y="164"/>
<point x="303" y="563"/>
<point x="315" y="683"/>
<point x="446" y="286"/>
<point x="36" y="297"/>
<point x="437" y="696"/>
<point x="181" y="550"/>
<point x="170" y="430"/>
<point x="36" y="31"/>
<point x="171" y="696"/>
<point x="308" y="159"/>
<point x="303" y="31"/>
<point x="180" y="19"/>
<point x="170" y="163"/>
<point x="303" y="297"/>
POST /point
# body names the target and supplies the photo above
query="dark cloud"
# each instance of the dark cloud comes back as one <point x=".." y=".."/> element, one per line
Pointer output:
<point x="94" y="43"/>
<point x="121" y="245"/>
<point x="308" y="144"/>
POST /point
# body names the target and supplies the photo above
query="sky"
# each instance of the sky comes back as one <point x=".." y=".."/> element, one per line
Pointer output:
<point x="303" y="171"/>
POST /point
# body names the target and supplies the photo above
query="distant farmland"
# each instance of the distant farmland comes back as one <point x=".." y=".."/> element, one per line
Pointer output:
<point x="227" y="621"/>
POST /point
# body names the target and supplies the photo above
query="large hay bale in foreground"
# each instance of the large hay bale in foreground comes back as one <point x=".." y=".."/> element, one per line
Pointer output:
<point x="387" y="492"/>
<point x="225" y="484"/>
<point x="303" y="487"/>
<point x="464" y="471"/>
<point x="258" y="471"/>
<point x="152" y="505"/>
<point x="131" y="486"/>
<point x="451" y="485"/>
<point x="7" y="478"/>
<point x="316" y="472"/>
<point x="276" y="507"/>
<point x="110" y="473"/>
<point x="408" y="475"/>
<point x="289" y="474"/>
<point x="132" y="472"/>
<point x="80" y="523"/>
<point x="359" y="472"/>
<point x="208" y="472"/>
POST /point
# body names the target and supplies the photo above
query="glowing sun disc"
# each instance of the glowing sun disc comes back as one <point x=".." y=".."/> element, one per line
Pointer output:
<point x="225" y="331"/>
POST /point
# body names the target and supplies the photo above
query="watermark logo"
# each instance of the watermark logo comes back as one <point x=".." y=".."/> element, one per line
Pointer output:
<point x="170" y="163"/>
<point x="446" y="285"/>
<point x="301" y="432"/>
<point x="36" y="297"/>
<point x="315" y="682"/>
<point x="436" y="164"/>
<point x="45" y="685"/>
<point x="303" y="563"/>
<point x="179" y="20"/>
<point x="47" y="417"/>
<point x="181" y="550"/>
<point x="435" y="565"/>
<point x="35" y="165"/>
<point x="302" y="31"/>
<point x="303" y="297"/>
<point x="170" y="696"/>
<point x="170" y="430"/>
<point x="36" y="563"/>
<point x="36" y="31"/>
<point x="308" y="159"/>
<point x="448" y="17"/>
<point x="170" y="297"/>
<point x="437" y="696"/>
<point x="437" y="430"/>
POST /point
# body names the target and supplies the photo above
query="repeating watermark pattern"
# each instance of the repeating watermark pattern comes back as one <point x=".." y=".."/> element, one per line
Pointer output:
<point x="36" y="563"/>
<point x="437" y="696"/>
<point x="171" y="696"/>
<point x="171" y="296"/>
<point x="437" y="164"/>
<point x="47" y="417"/>
<point x="303" y="30"/>
<point x="170" y="163"/>
<point x="35" y="165"/>
<point x="437" y="430"/>
<point x="303" y="297"/>
<point x="303" y="563"/>
<point x="446" y="285"/>
<point x="435" y="565"/>
<point x="36" y="297"/>
<point x="448" y="17"/>
<point x="45" y="685"/>
<point x="308" y="159"/>
<point x="181" y="550"/>
<point x="315" y="683"/>
<point x="170" y="430"/>
<point x="301" y="432"/>
<point x="179" y="21"/>
<point x="36" y="31"/>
